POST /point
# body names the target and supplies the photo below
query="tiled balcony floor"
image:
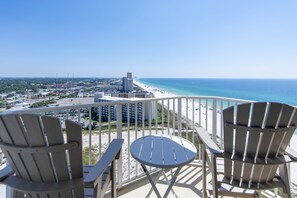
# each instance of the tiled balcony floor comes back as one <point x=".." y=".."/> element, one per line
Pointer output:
<point x="188" y="185"/>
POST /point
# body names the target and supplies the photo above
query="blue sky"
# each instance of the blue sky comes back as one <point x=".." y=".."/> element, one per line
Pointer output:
<point x="151" y="38"/>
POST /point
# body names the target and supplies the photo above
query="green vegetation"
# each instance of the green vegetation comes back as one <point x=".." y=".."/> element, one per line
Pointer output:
<point x="146" y="125"/>
<point x="113" y="127"/>
<point x="42" y="103"/>
<point x="3" y="103"/>
<point x="23" y="85"/>
<point x="20" y="86"/>
<point x="94" y="154"/>
<point x="189" y="137"/>
<point x="72" y="95"/>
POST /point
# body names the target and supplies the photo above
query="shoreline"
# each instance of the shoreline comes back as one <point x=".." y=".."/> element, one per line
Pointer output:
<point x="188" y="108"/>
<point x="159" y="93"/>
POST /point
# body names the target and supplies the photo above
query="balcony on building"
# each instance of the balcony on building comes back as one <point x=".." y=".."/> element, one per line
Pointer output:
<point x="105" y="120"/>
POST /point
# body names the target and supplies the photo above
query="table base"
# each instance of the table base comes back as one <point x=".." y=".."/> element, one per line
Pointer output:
<point x="153" y="183"/>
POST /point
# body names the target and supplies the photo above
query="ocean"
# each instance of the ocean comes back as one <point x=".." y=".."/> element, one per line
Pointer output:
<point x="272" y="90"/>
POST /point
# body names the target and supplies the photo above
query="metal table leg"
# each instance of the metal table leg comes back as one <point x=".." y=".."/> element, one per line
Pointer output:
<point x="153" y="183"/>
<point x="151" y="180"/>
<point x="172" y="182"/>
<point x="168" y="182"/>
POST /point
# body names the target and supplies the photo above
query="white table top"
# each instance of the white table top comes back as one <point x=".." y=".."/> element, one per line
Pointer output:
<point x="163" y="151"/>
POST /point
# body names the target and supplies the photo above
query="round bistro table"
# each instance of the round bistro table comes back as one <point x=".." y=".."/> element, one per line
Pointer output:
<point x="163" y="151"/>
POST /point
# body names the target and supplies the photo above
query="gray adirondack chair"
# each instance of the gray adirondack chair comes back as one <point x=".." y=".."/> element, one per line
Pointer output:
<point x="256" y="152"/>
<point x="43" y="164"/>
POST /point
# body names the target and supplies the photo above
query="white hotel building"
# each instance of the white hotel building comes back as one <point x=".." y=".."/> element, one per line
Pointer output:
<point x="134" y="108"/>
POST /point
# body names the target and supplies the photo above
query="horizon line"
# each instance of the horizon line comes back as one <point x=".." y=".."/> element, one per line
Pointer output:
<point x="247" y="78"/>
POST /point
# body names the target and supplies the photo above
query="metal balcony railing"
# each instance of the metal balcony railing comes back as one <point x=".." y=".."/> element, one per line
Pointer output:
<point x="131" y="119"/>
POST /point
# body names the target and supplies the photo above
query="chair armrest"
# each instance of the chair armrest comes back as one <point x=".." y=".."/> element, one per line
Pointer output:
<point x="110" y="154"/>
<point x="27" y="186"/>
<point x="5" y="172"/>
<point x="208" y="142"/>
<point x="291" y="153"/>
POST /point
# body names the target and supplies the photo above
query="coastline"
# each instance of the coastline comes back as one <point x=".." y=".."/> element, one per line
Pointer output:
<point x="190" y="107"/>
<point x="159" y="93"/>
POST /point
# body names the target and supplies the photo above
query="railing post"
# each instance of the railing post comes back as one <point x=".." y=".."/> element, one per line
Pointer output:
<point x="179" y="116"/>
<point x="119" y="135"/>
<point x="214" y="119"/>
<point x="90" y="133"/>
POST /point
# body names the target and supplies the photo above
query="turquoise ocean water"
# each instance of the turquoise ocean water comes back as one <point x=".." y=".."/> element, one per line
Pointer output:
<point x="273" y="90"/>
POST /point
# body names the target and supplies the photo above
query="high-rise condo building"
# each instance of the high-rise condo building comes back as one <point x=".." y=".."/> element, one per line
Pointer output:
<point x="132" y="111"/>
<point x="128" y="83"/>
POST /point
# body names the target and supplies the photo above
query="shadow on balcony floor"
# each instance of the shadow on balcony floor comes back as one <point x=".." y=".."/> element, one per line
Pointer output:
<point x="188" y="184"/>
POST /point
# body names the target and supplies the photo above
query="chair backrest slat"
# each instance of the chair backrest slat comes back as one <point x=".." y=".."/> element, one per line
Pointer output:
<point x="285" y="117"/>
<point x="228" y="132"/>
<point x="292" y="122"/>
<point x="53" y="130"/>
<point x="11" y="157"/>
<point x="247" y="172"/>
<point x="73" y="131"/>
<point x="258" y="143"/>
<point x="36" y="138"/>
<point x="270" y="141"/>
<point x="25" y="162"/>
<point x="52" y="160"/>
<point x="257" y="118"/>
<point x="273" y="113"/>
<point x="228" y="140"/>
<point x="242" y="118"/>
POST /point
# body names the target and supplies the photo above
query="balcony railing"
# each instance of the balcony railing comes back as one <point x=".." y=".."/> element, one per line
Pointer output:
<point x="131" y="119"/>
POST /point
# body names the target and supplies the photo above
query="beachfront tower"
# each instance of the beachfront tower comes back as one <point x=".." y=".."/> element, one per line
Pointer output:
<point x="129" y="75"/>
<point x="128" y="83"/>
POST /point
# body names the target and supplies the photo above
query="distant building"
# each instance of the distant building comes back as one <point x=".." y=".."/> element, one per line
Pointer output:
<point x="129" y="74"/>
<point x="128" y="83"/>
<point x="108" y="111"/>
<point x="98" y="96"/>
<point x="133" y="95"/>
<point x="133" y="111"/>
<point x="80" y="95"/>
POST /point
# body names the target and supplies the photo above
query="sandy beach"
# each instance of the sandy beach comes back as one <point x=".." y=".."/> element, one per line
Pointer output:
<point x="188" y="108"/>
<point x="159" y="93"/>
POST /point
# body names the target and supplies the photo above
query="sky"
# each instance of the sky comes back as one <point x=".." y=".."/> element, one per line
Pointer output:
<point x="151" y="38"/>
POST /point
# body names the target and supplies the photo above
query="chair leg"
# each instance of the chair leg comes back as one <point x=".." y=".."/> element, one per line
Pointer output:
<point x="113" y="180"/>
<point x="16" y="194"/>
<point x="214" y="177"/>
<point x="259" y="192"/>
<point x="283" y="172"/>
<point x="96" y="193"/>
<point x="204" y="171"/>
